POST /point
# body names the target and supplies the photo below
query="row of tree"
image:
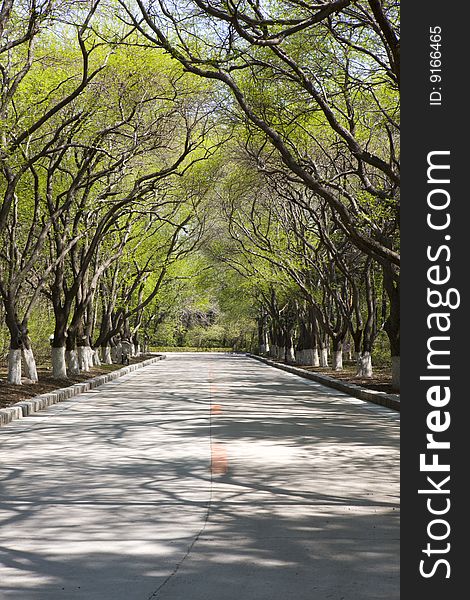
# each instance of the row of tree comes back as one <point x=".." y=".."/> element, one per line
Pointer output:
<point x="314" y="286"/>
<point x="92" y="218"/>
<point x="311" y="197"/>
<point x="144" y="143"/>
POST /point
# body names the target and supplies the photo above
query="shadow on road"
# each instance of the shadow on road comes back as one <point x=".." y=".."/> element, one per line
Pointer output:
<point x="102" y="499"/>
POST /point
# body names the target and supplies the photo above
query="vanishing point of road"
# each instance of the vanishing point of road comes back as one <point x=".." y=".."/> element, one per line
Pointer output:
<point x="201" y="477"/>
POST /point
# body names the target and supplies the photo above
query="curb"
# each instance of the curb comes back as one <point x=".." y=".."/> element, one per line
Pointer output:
<point x="389" y="400"/>
<point x="24" y="408"/>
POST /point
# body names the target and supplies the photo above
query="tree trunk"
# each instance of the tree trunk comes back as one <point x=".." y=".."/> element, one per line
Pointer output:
<point x="117" y="353"/>
<point x="83" y="358"/>
<point x="126" y="348"/>
<point x="59" y="367"/>
<point x="392" y="324"/>
<point x="106" y="355"/>
<point x="20" y="344"/>
<point x="260" y="328"/>
<point x="264" y="345"/>
<point x="365" y="365"/>
<point x="95" y="357"/>
<point x="301" y="357"/>
<point x="263" y="337"/>
<point x="306" y="357"/>
<point x="396" y="373"/>
<point x="290" y="354"/>
<point x="323" y="351"/>
<point x="71" y="358"/>
<point x="315" y="358"/>
<point x="29" y="363"/>
<point x="357" y="349"/>
<point x="277" y="339"/>
<point x="337" y="360"/>
<point x="14" y="366"/>
<point x="338" y="352"/>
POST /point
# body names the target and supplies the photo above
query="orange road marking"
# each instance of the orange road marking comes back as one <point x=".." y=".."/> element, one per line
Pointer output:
<point x="219" y="463"/>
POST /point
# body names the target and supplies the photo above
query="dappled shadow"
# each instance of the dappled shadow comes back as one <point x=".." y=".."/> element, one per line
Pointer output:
<point x="102" y="497"/>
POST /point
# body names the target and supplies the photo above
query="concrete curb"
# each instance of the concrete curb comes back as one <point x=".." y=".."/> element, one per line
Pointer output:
<point x="33" y="405"/>
<point x="389" y="400"/>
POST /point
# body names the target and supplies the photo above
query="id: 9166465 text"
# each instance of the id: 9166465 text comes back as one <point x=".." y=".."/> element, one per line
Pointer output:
<point x="435" y="65"/>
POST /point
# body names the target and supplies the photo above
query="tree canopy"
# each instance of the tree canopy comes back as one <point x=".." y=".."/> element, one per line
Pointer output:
<point x="201" y="173"/>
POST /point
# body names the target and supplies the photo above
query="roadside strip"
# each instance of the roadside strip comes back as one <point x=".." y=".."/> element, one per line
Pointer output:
<point x="389" y="400"/>
<point x="24" y="408"/>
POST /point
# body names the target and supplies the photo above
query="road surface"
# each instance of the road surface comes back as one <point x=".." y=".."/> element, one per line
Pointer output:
<point x="201" y="477"/>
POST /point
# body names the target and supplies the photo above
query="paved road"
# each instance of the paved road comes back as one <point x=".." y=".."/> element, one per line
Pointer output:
<point x="111" y="495"/>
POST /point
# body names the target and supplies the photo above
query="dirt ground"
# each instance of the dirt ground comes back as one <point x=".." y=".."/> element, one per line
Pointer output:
<point x="381" y="380"/>
<point x="9" y="394"/>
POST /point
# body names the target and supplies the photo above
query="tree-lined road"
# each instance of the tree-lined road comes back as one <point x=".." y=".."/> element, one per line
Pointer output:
<point x="202" y="477"/>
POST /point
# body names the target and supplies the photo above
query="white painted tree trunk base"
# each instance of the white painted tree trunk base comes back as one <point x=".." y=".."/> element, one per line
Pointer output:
<point x="337" y="360"/>
<point x="323" y="357"/>
<point x="95" y="358"/>
<point x="117" y="353"/>
<point x="291" y="354"/>
<point x="396" y="373"/>
<point x="59" y="367"/>
<point x="106" y="356"/>
<point x="315" y="358"/>
<point x="71" y="360"/>
<point x="83" y="358"/>
<point x="126" y="350"/>
<point x="305" y="357"/>
<point x="30" y="370"/>
<point x="365" y="365"/>
<point x="14" y="367"/>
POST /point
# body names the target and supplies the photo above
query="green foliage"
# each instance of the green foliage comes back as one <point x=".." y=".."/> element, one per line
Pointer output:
<point x="188" y="349"/>
<point x="198" y="259"/>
